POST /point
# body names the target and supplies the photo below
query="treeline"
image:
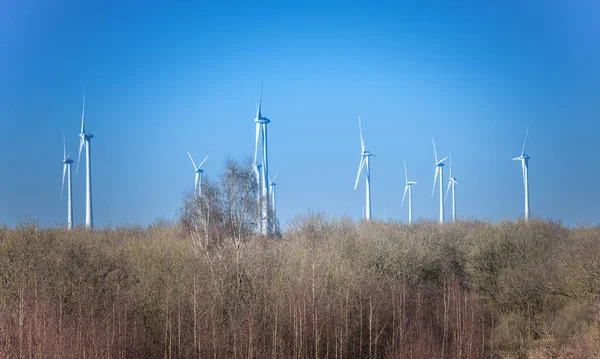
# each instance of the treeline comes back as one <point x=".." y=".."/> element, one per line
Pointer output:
<point x="325" y="288"/>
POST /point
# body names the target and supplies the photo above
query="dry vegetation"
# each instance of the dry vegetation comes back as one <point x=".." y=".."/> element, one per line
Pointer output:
<point x="326" y="288"/>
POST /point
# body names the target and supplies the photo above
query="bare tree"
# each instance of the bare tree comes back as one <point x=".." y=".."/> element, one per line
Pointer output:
<point x="238" y="188"/>
<point x="201" y="217"/>
<point x="226" y="210"/>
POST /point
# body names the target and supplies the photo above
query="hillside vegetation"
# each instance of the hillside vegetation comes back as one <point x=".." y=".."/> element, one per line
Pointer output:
<point x="326" y="288"/>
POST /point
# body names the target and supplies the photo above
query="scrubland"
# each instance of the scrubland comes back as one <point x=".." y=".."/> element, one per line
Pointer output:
<point x="326" y="288"/>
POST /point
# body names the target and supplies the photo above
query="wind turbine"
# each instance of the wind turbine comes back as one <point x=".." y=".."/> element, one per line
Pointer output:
<point x="524" y="158"/>
<point x="261" y="133"/>
<point x="67" y="161"/>
<point x="198" y="179"/>
<point x="439" y="169"/>
<point x="408" y="188"/>
<point x="451" y="183"/>
<point x="365" y="161"/>
<point x="85" y="138"/>
<point x="272" y="185"/>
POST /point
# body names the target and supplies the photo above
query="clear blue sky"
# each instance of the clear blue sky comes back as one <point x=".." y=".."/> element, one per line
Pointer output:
<point x="163" y="79"/>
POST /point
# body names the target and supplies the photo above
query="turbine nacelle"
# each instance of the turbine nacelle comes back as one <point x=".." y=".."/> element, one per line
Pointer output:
<point x="262" y="120"/>
<point x="272" y="181"/>
<point x="439" y="164"/>
<point x="198" y="168"/>
<point x="521" y="158"/>
<point x="410" y="183"/>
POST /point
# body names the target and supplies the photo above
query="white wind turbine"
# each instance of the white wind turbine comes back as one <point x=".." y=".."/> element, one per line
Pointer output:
<point x="85" y="140"/>
<point x="408" y="188"/>
<point x="272" y="185"/>
<point x="365" y="161"/>
<point x="451" y="183"/>
<point x="261" y="133"/>
<point x="67" y="169"/>
<point x="524" y="158"/>
<point x="198" y="178"/>
<point x="439" y="169"/>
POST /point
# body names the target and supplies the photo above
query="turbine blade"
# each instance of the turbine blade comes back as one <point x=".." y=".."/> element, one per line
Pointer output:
<point x="447" y="191"/>
<point x="259" y="104"/>
<point x="260" y="100"/>
<point x="201" y="163"/>
<point x="360" y="167"/>
<point x="193" y="163"/>
<point x="81" y="143"/>
<point x="437" y="169"/>
<point x="63" y="181"/>
<point x="443" y="159"/>
<point x="362" y="142"/>
<point x="404" y="195"/>
<point x="64" y="147"/>
<point x="525" y="143"/>
<point x="434" y="151"/>
<point x="450" y="174"/>
<point x="83" y="114"/>
<point x="256" y="143"/>
<point x="405" y="173"/>
<point x="273" y="180"/>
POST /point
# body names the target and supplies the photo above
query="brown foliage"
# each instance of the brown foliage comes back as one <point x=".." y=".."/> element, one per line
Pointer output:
<point x="326" y="288"/>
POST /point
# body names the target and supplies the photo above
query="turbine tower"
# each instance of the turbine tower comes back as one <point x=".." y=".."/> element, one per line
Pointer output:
<point x="451" y="183"/>
<point x="272" y="185"/>
<point x="524" y="158"/>
<point x="365" y="161"/>
<point x="261" y="133"/>
<point x="439" y="169"/>
<point x="408" y="188"/>
<point x="85" y="138"/>
<point x="67" y="161"/>
<point x="198" y="178"/>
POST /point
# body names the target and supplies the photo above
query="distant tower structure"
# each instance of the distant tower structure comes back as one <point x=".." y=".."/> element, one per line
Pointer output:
<point x="272" y="185"/>
<point x="408" y="188"/>
<point x="197" y="176"/>
<point x="67" y="161"/>
<point x="439" y="169"/>
<point x="365" y="161"/>
<point x="524" y="158"/>
<point x="264" y="203"/>
<point x="85" y="140"/>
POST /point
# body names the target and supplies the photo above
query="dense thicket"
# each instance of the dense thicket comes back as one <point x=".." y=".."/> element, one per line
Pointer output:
<point x="326" y="288"/>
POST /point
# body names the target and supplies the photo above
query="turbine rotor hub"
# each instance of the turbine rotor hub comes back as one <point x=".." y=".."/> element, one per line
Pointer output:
<point x="262" y="120"/>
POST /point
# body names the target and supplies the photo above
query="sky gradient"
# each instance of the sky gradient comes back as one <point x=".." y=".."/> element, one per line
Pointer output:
<point x="163" y="79"/>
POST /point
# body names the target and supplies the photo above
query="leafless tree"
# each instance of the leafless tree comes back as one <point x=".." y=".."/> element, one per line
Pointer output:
<point x="226" y="209"/>
<point x="238" y="188"/>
